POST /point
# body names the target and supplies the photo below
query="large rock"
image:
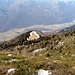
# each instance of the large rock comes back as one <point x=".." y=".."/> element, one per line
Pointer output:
<point x="33" y="36"/>
<point x="43" y="72"/>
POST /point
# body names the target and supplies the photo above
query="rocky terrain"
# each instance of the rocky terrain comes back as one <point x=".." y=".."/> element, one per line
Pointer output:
<point x="54" y="53"/>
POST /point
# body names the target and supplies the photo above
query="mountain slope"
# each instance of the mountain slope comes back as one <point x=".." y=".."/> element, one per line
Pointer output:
<point x="21" y="39"/>
<point x="54" y="53"/>
<point x="35" y="39"/>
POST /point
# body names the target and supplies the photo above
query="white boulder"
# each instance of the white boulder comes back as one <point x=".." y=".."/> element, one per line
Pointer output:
<point x="12" y="70"/>
<point x="9" y="54"/>
<point x="43" y="72"/>
<point x="33" y="36"/>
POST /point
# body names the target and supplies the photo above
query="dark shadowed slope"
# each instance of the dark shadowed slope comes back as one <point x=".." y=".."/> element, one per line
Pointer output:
<point x="24" y="38"/>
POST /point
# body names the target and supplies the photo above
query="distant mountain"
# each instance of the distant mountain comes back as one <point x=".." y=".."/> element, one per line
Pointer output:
<point x="25" y="13"/>
<point x="68" y="29"/>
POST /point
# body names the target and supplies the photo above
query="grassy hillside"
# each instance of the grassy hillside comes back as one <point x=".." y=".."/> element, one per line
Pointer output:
<point x="55" y="53"/>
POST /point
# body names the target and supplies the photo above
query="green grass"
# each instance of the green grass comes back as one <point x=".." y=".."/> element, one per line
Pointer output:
<point x="61" y="61"/>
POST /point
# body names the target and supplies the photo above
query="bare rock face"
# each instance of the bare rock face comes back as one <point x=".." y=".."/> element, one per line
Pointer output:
<point x="10" y="71"/>
<point x="33" y="36"/>
<point x="44" y="72"/>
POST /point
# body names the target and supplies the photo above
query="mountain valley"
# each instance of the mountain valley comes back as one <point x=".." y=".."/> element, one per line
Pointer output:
<point x="47" y="29"/>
